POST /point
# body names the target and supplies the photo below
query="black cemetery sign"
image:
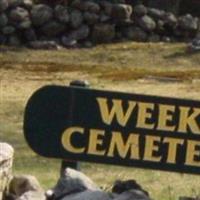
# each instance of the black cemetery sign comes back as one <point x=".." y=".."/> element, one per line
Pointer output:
<point x="117" y="128"/>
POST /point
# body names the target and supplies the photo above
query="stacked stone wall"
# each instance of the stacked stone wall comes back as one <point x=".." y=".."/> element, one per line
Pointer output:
<point x="86" y="23"/>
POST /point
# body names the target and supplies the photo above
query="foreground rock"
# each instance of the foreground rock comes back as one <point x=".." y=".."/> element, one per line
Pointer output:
<point x="73" y="181"/>
<point x="132" y="195"/>
<point x="6" y="159"/>
<point x="88" y="195"/>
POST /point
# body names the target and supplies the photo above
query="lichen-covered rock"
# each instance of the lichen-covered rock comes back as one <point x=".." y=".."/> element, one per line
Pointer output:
<point x="121" y="12"/>
<point x="53" y="28"/>
<point x="139" y="10"/>
<point x="76" y="18"/>
<point x="135" y="33"/>
<point x="88" y="195"/>
<point x="73" y="181"/>
<point x="41" y="14"/>
<point x="6" y="158"/>
<point x="147" y="23"/>
<point x="188" y="23"/>
<point x="18" y="15"/>
<point x="61" y="13"/>
<point x="103" y="33"/>
<point x="3" y="5"/>
<point x="3" y="20"/>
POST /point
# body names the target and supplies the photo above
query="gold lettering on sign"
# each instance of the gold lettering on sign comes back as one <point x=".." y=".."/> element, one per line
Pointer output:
<point x="165" y="116"/>
<point x="188" y="120"/>
<point x="192" y="152"/>
<point x="144" y="113"/>
<point x="172" y="148"/>
<point x="151" y="148"/>
<point x="122" y="147"/>
<point x="116" y="110"/>
<point x="66" y="139"/>
<point x="95" y="140"/>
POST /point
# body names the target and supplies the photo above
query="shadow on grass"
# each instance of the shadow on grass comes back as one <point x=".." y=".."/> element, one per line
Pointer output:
<point x="187" y="53"/>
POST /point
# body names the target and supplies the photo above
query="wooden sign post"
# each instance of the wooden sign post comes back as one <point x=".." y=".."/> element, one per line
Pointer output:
<point x="116" y="128"/>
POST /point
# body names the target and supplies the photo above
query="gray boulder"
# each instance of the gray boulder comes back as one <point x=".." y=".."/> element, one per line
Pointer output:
<point x="26" y="24"/>
<point x="53" y="28"/>
<point x="18" y="15"/>
<point x="104" y="17"/>
<point x="88" y="195"/>
<point x="132" y="195"/>
<point x="69" y="42"/>
<point x="92" y="7"/>
<point x="6" y="159"/>
<point x="22" y="184"/>
<point x="170" y="20"/>
<point x="46" y="45"/>
<point x="3" y="20"/>
<point x="41" y="14"/>
<point x="156" y="13"/>
<point x="90" y="18"/>
<point x="139" y="10"/>
<point x="188" y="23"/>
<point x="135" y="33"/>
<point x="7" y="30"/>
<point x="23" y="3"/>
<point x="121" y="12"/>
<point x="147" y="23"/>
<point x="73" y="181"/>
<point x="81" y="33"/>
<point x="3" y="5"/>
<point x="103" y="33"/>
<point x="32" y="195"/>
<point x="28" y="4"/>
<point x="76" y="18"/>
<point x="61" y="13"/>
<point x="160" y="26"/>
